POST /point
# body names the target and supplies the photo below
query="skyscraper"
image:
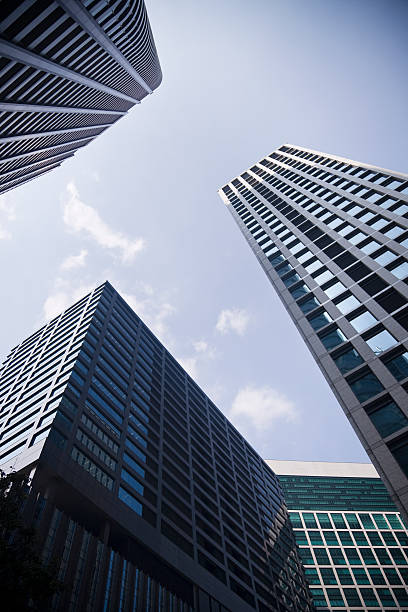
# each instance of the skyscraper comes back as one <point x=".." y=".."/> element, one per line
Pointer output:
<point x="332" y="237"/>
<point x="351" y="538"/>
<point x="143" y="492"/>
<point x="69" y="70"/>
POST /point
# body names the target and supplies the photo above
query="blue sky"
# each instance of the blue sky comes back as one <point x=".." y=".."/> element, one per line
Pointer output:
<point x="139" y="206"/>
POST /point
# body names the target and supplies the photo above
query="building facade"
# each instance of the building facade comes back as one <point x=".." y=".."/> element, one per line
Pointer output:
<point x="69" y="70"/>
<point x="143" y="493"/>
<point x="332" y="236"/>
<point x="352" y="540"/>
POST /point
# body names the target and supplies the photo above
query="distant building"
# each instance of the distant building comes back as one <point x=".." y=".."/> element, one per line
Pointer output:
<point x="352" y="540"/>
<point x="143" y="492"/>
<point x="69" y="70"/>
<point x="332" y="237"/>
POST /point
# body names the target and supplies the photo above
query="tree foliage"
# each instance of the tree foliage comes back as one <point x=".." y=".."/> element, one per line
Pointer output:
<point x="26" y="583"/>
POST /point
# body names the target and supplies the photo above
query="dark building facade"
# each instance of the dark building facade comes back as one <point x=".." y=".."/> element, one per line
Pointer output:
<point x="143" y="493"/>
<point x="332" y="237"/>
<point x="68" y="70"/>
<point x="352" y="539"/>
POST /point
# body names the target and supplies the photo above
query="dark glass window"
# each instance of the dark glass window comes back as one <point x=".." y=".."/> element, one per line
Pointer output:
<point x="399" y="449"/>
<point x="388" y="418"/>
<point x="310" y="304"/>
<point x="398" y="366"/>
<point x="365" y="386"/>
<point x="300" y="291"/>
<point x="332" y="338"/>
<point x="320" y="320"/>
<point x="348" y="361"/>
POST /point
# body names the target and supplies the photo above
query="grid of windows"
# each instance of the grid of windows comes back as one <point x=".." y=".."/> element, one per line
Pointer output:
<point x="332" y="235"/>
<point x="151" y="442"/>
<point x="68" y="73"/>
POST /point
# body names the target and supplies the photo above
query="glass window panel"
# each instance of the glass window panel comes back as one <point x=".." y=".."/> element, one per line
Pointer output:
<point x="386" y="597"/>
<point x="300" y="291"/>
<point x="334" y="290"/>
<point x="348" y="304"/>
<point x="402" y="598"/>
<point x="388" y="419"/>
<point x="300" y="537"/>
<point x="309" y="520"/>
<point x="401" y="271"/>
<point x="312" y="267"/>
<point x="332" y="338"/>
<point x="309" y="304"/>
<point x="344" y="575"/>
<point x="376" y="575"/>
<point x="385" y="258"/>
<point x="323" y="277"/>
<point x="352" y="597"/>
<point x="369" y="597"/>
<point x="400" y="452"/>
<point x="380" y="223"/>
<point x="318" y="597"/>
<point x="315" y="538"/>
<point x="360" y="575"/>
<point x="295" y="519"/>
<point x="345" y="538"/>
<point x="363" y="321"/>
<point x="312" y="575"/>
<point x="320" y="320"/>
<point x="286" y="268"/>
<point x="321" y="556"/>
<point x="380" y="521"/>
<point x="331" y="539"/>
<point x="324" y="520"/>
<point x="360" y="538"/>
<point x="381" y="342"/>
<point x="347" y="361"/>
<point x="394" y="231"/>
<point x="395" y="523"/>
<point x="382" y="556"/>
<point x="370" y="247"/>
<point x="338" y="521"/>
<point x="337" y="556"/>
<point x="366" y="386"/>
<point x="357" y="238"/>
<point x="328" y="576"/>
<point x="335" y="597"/>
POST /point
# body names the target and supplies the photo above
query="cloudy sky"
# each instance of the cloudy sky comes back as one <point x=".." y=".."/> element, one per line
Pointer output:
<point x="139" y="206"/>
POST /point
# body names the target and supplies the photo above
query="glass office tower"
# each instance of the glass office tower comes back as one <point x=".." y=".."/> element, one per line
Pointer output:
<point x="351" y="538"/>
<point x="332" y="237"/>
<point x="143" y="493"/>
<point x="69" y="70"/>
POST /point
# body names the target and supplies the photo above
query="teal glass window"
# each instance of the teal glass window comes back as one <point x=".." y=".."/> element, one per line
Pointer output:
<point x="366" y="386"/>
<point x="309" y="305"/>
<point x="318" y="597"/>
<point x="321" y="556"/>
<point x="381" y="342"/>
<point x="394" y="521"/>
<point x="276" y="259"/>
<point x="344" y="575"/>
<point x="300" y="537"/>
<point x="306" y="556"/>
<point x="397" y="556"/>
<point x="331" y="539"/>
<point x="369" y="598"/>
<point x="366" y="521"/>
<point x="335" y="597"/>
<point x="312" y="575"/>
<point x="332" y="338"/>
<point x="337" y="556"/>
<point x="352" y="556"/>
<point x="284" y="269"/>
<point x="324" y="520"/>
<point x="352" y="597"/>
<point x="402" y="538"/>
<point x="338" y="521"/>
<point x="295" y="519"/>
<point x="386" y="598"/>
<point x="398" y="366"/>
<point x="360" y="538"/>
<point x="300" y="291"/>
<point x="388" y="418"/>
<point x="315" y="538"/>
<point x="345" y="538"/>
<point x="392" y="576"/>
<point x="380" y="521"/>
<point x="309" y="520"/>
<point x="360" y="575"/>
<point x="402" y="598"/>
<point x="382" y="556"/>
<point x="320" y="320"/>
<point x="368" y="556"/>
<point x="374" y="538"/>
<point x="389" y="538"/>
<point x="352" y="521"/>
<point x="328" y="576"/>
<point x="376" y="575"/>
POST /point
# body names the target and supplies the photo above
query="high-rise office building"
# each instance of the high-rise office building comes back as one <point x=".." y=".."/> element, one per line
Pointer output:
<point x="143" y="492"/>
<point x="332" y="237"/>
<point x="69" y="70"/>
<point x="351" y="538"/>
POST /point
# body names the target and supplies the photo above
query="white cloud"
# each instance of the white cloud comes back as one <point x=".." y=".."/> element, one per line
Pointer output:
<point x="152" y="308"/>
<point x="80" y="217"/>
<point x="234" y="320"/>
<point x="190" y="366"/>
<point x="64" y="295"/>
<point x="8" y="213"/>
<point x="261" y="407"/>
<point x="75" y="261"/>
